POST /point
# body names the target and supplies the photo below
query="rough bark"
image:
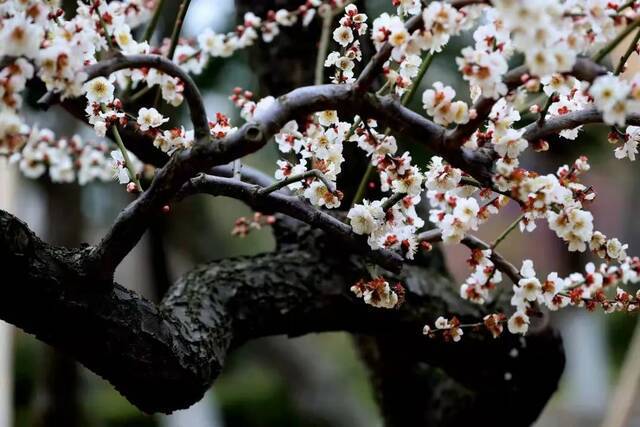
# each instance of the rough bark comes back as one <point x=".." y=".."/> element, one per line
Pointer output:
<point x="164" y="357"/>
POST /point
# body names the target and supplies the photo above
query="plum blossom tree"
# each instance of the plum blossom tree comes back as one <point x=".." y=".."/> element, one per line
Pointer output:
<point x="363" y="262"/>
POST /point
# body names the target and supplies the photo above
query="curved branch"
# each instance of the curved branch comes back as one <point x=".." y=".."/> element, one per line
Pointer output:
<point x="191" y="93"/>
<point x="164" y="357"/>
<point x="584" y="69"/>
<point x="119" y="62"/>
<point x="132" y="222"/>
<point x="295" y="208"/>
<point x="553" y="125"/>
<point x="472" y="242"/>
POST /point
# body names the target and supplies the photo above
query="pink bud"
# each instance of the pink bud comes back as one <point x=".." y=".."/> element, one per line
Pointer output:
<point x="132" y="188"/>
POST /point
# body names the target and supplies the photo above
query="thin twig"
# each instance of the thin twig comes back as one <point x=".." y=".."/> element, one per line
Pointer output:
<point x="148" y="32"/>
<point x="104" y="27"/>
<point x="506" y="232"/>
<point x="392" y="200"/>
<point x="472" y="242"/>
<point x="175" y="36"/>
<point x="424" y="66"/>
<point x="632" y="47"/>
<point x="545" y="109"/>
<point x="299" y="177"/>
<point x="602" y="53"/>
<point x="323" y="46"/>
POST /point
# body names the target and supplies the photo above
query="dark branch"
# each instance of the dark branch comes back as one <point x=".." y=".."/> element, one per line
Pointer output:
<point x="294" y="207"/>
<point x="473" y="242"/>
<point x="583" y="69"/>
<point x="121" y="62"/>
<point x="163" y="358"/>
<point x="554" y="125"/>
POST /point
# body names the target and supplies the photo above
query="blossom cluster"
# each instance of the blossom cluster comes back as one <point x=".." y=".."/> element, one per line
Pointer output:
<point x="484" y="278"/>
<point x="352" y="24"/>
<point x="378" y="293"/>
<point x="441" y="21"/>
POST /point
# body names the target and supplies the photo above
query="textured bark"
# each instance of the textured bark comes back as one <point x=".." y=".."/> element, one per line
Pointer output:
<point x="165" y="357"/>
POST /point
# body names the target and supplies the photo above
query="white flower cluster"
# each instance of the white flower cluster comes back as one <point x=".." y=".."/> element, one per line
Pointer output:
<point x="441" y="21"/>
<point x="318" y="146"/>
<point x="344" y="61"/>
<point x="615" y="98"/>
<point x="550" y="34"/>
<point x="454" y="210"/>
<point x="484" y="278"/>
<point x="581" y="290"/>
<point x="66" y="159"/>
<point x="438" y="104"/>
<point x="378" y="293"/>
<point x="450" y="329"/>
<point x="570" y="95"/>
<point x="629" y="147"/>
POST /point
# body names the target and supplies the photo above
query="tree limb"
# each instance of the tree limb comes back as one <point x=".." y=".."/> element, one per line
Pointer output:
<point x="164" y="357"/>
<point x="583" y="69"/>
<point x="294" y="207"/>
<point x="553" y="125"/>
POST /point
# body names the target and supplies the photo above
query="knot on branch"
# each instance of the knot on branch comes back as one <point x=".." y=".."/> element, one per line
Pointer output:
<point x="253" y="133"/>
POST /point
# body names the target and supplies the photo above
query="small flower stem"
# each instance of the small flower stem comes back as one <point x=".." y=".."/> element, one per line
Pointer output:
<point x="383" y="87"/>
<point x="125" y="155"/>
<point x="602" y="53"/>
<point x="362" y="186"/>
<point x="506" y="232"/>
<point x="153" y="23"/>
<point x="323" y="46"/>
<point x="391" y="201"/>
<point x="424" y="66"/>
<point x="139" y="94"/>
<point x="177" y="28"/>
<point x="468" y="180"/>
<point x="104" y="28"/>
<point x="626" y="5"/>
<point x="299" y="177"/>
<point x="545" y="109"/>
<point x="632" y="47"/>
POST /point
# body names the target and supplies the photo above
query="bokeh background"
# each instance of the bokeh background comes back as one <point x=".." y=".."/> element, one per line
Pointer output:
<point x="311" y="381"/>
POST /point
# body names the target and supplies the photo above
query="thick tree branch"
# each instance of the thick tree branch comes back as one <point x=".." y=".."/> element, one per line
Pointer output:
<point x="149" y="352"/>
